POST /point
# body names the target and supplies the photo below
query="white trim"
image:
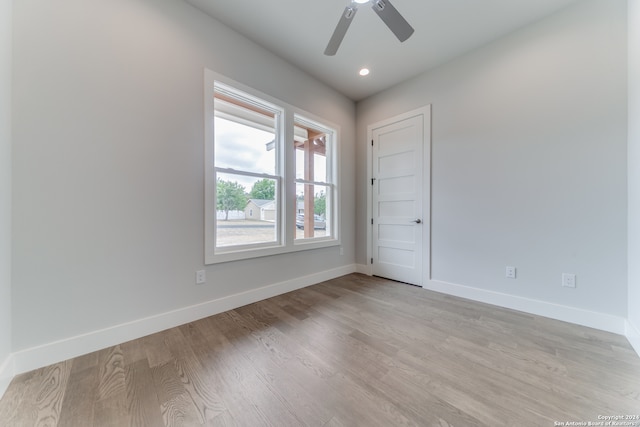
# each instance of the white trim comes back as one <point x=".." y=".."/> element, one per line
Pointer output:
<point x="364" y="269"/>
<point x="602" y="321"/>
<point x="592" y="319"/>
<point x="632" y="333"/>
<point x="7" y="372"/>
<point x="54" y="352"/>
<point x="57" y="351"/>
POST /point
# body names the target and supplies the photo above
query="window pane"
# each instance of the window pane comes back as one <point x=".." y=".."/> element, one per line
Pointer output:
<point x="312" y="211"/>
<point x="247" y="210"/>
<point x="320" y="167"/>
<point x="244" y="146"/>
<point x="311" y="154"/>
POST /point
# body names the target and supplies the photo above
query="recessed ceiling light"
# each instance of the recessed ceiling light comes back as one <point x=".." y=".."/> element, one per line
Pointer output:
<point x="361" y="1"/>
<point x="364" y="72"/>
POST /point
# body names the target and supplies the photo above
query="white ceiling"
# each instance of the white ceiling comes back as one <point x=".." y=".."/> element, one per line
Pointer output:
<point x="299" y="30"/>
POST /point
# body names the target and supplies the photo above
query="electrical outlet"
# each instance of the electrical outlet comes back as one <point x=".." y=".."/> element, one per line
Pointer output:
<point x="201" y="277"/>
<point x="511" y="273"/>
<point x="568" y="280"/>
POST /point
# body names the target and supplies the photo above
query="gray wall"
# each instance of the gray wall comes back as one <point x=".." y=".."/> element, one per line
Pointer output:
<point x="108" y="162"/>
<point x="5" y="182"/>
<point x="634" y="167"/>
<point x="529" y="159"/>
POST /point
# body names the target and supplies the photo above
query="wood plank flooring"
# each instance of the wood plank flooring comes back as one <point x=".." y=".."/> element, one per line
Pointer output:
<point x="354" y="351"/>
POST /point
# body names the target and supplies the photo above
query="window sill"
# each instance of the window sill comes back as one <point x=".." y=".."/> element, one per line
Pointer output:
<point x="245" y="254"/>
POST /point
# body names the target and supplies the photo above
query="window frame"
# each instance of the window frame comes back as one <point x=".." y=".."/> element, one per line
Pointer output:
<point x="330" y="178"/>
<point x="285" y="170"/>
<point x="258" y="120"/>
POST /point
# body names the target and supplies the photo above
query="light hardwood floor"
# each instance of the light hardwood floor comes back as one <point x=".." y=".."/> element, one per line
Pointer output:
<point x="354" y="351"/>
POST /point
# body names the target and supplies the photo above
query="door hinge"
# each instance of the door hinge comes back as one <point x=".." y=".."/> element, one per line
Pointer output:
<point x="372" y="180"/>
<point x="372" y="142"/>
<point x="371" y="260"/>
<point x="371" y="221"/>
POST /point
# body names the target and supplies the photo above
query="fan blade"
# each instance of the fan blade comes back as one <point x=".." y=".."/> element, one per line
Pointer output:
<point x="340" y="31"/>
<point x="390" y="15"/>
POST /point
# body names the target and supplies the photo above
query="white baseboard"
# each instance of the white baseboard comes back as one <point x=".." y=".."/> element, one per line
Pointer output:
<point x="592" y="319"/>
<point x="7" y="373"/>
<point x="633" y="335"/>
<point x="54" y="352"/>
<point x="363" y="269"/>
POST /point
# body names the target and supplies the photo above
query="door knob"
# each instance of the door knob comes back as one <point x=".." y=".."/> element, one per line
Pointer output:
<point x="417" y="221"/>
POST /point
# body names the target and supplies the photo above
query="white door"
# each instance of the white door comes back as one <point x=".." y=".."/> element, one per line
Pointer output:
<point x="397" y="199"/>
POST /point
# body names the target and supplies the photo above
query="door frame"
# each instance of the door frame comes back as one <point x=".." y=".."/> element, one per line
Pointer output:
<point x="425" y="112"/>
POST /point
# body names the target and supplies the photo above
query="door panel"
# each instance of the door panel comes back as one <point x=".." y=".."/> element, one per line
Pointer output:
<point x="397" y="232"/>
<point x="397" y="157"/>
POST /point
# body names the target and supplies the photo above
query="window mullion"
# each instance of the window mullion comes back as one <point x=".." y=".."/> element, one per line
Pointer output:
<point x="287" y="169"/>
<point x="232" y="171"/>
<point x="321" y="183"/>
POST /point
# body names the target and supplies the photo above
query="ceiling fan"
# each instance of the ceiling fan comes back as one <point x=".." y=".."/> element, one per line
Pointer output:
<point x="385" y="10"/>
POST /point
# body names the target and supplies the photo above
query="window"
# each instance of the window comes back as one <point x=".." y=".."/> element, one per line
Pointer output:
<point x="270" y="175"/>
<point x="314" y="190"/>
<point x="248" y="177"/>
